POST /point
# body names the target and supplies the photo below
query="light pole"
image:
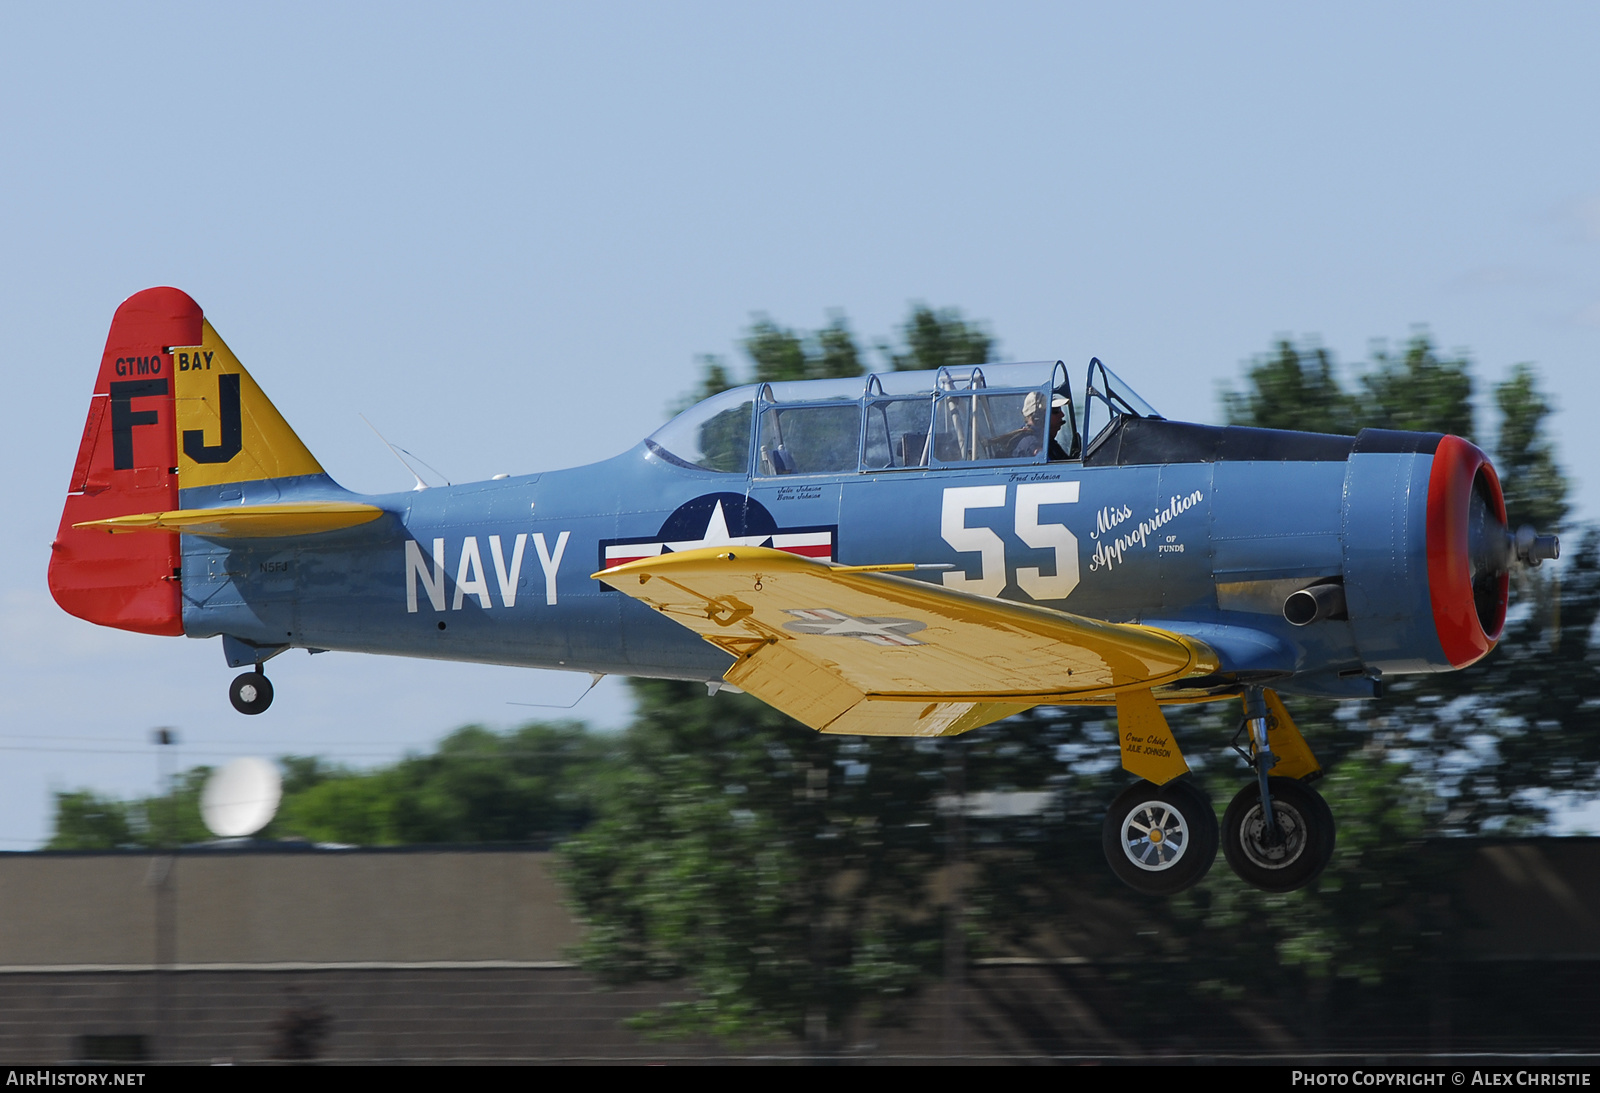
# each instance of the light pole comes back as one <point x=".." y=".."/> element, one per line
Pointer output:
<point x="163" y="879"/>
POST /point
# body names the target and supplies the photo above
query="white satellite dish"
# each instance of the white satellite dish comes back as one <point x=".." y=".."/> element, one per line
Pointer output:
<point x="240" y="799"/>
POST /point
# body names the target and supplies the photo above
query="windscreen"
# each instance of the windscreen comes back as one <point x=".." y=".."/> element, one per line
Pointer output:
<point x="713" y="435"/>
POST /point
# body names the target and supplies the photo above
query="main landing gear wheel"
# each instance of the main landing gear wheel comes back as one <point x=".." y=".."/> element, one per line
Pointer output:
<point x="250" y="693"/>
<point x="1296" y="854"/>
<point x="1160" y="839"/>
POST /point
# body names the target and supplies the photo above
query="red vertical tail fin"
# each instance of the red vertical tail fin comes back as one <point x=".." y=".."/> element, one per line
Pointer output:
<point x="127" y="463"/>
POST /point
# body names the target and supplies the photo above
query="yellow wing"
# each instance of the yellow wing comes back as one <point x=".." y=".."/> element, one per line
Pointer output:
<point x="857" y="650"/>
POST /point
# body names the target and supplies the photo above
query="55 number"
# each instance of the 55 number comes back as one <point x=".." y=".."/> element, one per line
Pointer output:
<point x="991" y="549"/>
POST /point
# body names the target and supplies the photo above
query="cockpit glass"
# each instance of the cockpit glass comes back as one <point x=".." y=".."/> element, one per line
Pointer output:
<point x="897" y="433"/>
<point x="888" y="420"/>
<point x="713" y="435"/>
<point x="1119" y="392"/>
<point x="809" y="439"/>
<point x="969" y="428"/>
<point x="837" y="388"/>
<point x="1027" y="374"/>
<point x="1106" y="398"/>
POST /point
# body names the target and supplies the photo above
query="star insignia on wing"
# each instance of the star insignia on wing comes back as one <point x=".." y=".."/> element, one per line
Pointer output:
<point x="827" y="622"/>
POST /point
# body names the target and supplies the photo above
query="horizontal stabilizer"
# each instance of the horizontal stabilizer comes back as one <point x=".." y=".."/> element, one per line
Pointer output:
<point x="247" y="521"/>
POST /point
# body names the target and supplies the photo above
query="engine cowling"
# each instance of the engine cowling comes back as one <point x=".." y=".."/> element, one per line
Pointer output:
<point x="1427" y="556"/>
<point x="1469" y="551"/>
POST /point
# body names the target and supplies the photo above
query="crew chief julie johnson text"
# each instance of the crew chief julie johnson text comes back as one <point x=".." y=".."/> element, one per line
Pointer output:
<point x="1457" y="1077"/>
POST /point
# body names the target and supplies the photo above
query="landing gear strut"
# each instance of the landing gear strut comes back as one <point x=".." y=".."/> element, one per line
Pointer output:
<point x="251" y="692"/>
<point x="1277" y="834"/>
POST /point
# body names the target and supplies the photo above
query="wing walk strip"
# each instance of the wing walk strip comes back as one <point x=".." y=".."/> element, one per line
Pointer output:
<point x="855" y="650"/>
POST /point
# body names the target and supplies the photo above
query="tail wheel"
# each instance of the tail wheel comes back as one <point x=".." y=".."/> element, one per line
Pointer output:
<point x="1286" y="859"/>
<point x="250" y="693"/>
<point x="1160" y="839"/>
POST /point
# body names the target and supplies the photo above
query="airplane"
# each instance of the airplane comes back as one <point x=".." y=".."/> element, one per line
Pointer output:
<point x="900" y="554"/>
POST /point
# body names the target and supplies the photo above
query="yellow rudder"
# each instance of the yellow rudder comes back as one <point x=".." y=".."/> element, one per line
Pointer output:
<point x="228" y="430"/>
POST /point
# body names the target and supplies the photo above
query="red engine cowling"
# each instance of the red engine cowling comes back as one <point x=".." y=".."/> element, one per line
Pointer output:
<point x="1469" y="551"/>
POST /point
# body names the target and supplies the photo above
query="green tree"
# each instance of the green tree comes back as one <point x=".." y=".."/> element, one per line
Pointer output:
<point x="777" y="354"/>
<point x="1508" y="742"/>
<point x="1418" y="391"/>
<point x="1535" y="488"/>
<point x="714" y="379"/>
<point x="354" y="808"/>
<point x="1513" y="740"/>
<point x="533" y="784"/>
<point x="1297" y="387"/>
<point x="782" y="874"/>
<point x="836" y="350"/>
<point x="940" y="339"/>
<point x="1293" y="388"/>
<point x="173" y="819"/>
<point x="84" y="820"/>
<point x="931" y="339"/>
<point x="780" y="354"/>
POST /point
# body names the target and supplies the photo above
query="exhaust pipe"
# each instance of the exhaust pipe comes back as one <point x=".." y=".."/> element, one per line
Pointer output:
<point x="1320" y="601"/>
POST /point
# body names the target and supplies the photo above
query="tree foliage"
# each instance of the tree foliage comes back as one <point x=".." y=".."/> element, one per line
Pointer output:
<point x="1298" y="387"/>
<point x="529" y="785"/>
<point x="534" y="784"/>
<point x="85" y="820"/>
<point x="1535" y="488"/>
<point x="1293" y="388"/>
<point x="1417" y="391"/>
<point x="783" y="874"/>
<point x="779" y="354"/>
<point x="930" y="339"/>
<point x="1512" y="740"/>
<point x="939" y="339"/>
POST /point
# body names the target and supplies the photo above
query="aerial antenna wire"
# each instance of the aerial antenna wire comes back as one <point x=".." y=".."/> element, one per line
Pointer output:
<point x="594" y="681"/>
<point x="395" y="451"/>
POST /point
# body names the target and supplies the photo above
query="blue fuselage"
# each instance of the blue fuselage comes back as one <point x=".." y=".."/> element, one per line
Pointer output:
<point x="1197" y="529"/>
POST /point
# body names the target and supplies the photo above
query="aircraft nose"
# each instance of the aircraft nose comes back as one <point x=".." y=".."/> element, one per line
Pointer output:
<point x="1492" y="548"/>
<point x="1469" y="551"/>
<point x="1532" y="548"/>
<point x="1489" y="545"/>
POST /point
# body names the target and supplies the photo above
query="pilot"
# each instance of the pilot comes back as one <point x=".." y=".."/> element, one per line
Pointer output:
<point x="1027" y="443"/>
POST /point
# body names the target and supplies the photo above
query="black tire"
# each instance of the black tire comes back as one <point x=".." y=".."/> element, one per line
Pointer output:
<point x="250" y="693"/>
<point x="1184" y="825"/>
<point x="1308" y="836"/>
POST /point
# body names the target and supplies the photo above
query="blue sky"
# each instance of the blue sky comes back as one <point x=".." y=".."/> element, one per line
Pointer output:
<point x="504" y="232"/>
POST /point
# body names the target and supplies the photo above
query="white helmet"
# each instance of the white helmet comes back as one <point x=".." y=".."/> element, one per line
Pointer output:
<point x="1035" y="401"/>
